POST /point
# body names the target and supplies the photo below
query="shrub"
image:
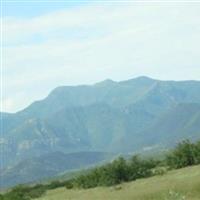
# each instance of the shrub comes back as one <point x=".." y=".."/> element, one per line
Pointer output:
<point x="36" y="191"/>
<point x="138" y="168"/>
<point x="69" y="184"/>
<point x="55" y="184"/>
<point x="24" y="192"/>
<point x="185" y="154"/>
<point x="197" y="153"/>
<point x="1" y="197"/>
<point x="116" y="172"/>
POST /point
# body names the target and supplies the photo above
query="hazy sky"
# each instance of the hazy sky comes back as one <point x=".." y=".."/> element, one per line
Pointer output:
<point x="46" y="45"/>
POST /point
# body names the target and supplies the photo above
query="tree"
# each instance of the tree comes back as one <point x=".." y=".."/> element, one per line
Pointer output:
<point x="139" y="168"/>
<point x="119" y="170"/>
<point x="183" y="155"/>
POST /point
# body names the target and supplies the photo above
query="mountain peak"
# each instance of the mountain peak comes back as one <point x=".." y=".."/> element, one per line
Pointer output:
<point x="140" y="80"/>
<point x="105" y="82"/>
<point x="143" y="78"/>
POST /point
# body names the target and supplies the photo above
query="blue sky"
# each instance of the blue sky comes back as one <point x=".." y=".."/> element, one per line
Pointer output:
<point x="48" y="44"/>
<point x="31" y="8"/>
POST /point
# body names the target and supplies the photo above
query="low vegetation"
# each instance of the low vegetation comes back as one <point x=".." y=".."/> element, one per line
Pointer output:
<point x="181" y="184"/>
<point x="185" y="154"/>
<point x="116" y="172"/>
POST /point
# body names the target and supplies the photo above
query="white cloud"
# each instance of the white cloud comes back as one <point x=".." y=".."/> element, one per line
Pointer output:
<point x="92" y="43"/>
<point x="8" y="104"/>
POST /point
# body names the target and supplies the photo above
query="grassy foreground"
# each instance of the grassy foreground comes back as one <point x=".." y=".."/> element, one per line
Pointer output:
<point x="182" y="184"/>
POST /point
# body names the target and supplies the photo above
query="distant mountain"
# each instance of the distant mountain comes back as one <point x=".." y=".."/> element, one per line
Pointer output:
<point x="120" y="117"/>
<point x="49" y="165"/>
<point x="181" y="121"/>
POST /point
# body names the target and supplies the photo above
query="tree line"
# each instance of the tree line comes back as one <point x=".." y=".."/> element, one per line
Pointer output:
<point x="118" y="171"/>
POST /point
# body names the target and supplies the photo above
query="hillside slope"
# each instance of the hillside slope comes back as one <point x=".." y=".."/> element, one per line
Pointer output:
<point x="50" y="165"/>
<point x="92" y="117"/>
<point x="119" y="117"/>
<point x="175" y="185"/>
<point x="178" y="123"/>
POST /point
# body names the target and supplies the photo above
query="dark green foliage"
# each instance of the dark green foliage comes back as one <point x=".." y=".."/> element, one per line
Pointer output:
<point x="185" y="154"/>
<point x="140" y="168"/>
<point x="116" y="172"/>
<point x="69" y="184"/>
<point x="197" y="153"/>
<point x="55" y="184"/>
<point x="24" y="192"/>
<point x="119" y="170"/>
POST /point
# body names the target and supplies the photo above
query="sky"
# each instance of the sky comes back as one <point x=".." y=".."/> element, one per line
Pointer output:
<point x="46" y="44"/>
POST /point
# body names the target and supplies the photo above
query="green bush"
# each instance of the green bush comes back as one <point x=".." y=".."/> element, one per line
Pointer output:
<point x="24" y="192"/>
<point x="55" y="184"/>
<point x="69" y="184"/>
<point x="116" y="172"/>
<point x="197" y="153"/>
<point x="185" y="154"/>
<point x="36" y="191"/>
<point x="1" y="197"/>
<point x="138" y="168"/>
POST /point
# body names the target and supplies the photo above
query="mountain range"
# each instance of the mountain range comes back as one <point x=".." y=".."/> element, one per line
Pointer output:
<point x="136" y="115"/>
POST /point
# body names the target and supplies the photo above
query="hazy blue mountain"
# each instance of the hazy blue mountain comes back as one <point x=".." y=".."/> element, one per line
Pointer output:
<point x="127" y="116"/>
<point x="110" y="92"/>
<point x="49" y="165"/>
<point x="180" y="122"/>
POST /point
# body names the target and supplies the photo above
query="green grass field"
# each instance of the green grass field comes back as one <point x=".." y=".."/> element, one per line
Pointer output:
<point x="182" y="184"/>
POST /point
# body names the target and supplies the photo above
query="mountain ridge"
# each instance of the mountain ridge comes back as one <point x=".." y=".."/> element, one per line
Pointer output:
<point x="120" y="117"/>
